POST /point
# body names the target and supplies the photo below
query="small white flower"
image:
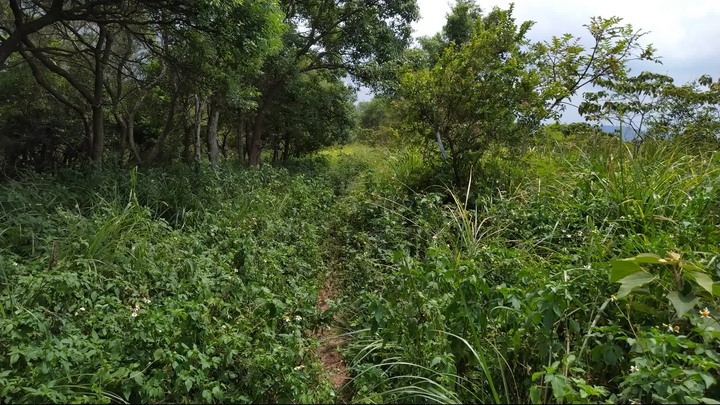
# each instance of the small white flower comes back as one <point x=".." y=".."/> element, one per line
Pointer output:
<point x="14" y="263"/>
<point x="671" y="328"/>
<point x="146" y="300"/>
<point x="134" y="314"/>
<point x="586" y="267"/>
<point x="634" y="369"/>
<point x="300" y="367"/>
<point x="286" y="319"/>
<point x="298" y="318"/>
<point x="613" y="298"/>
<point x="704" y="313"/>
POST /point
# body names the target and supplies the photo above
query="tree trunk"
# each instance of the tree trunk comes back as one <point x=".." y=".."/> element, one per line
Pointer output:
<point x="98" y="135"/>
<point x="212" y="131"/>
<point x="286" y="148"/>
<point x="187" y="141"/>
<point x="87" y="127"/>
<point x="276" y="150"/>
<point x="154" y="152"/>
<point x="255" y="140"/>
<point x="198" y="115"/>
<point x="102" y="54"/>
<point x="239" y="142"/>
<point x="249" y="125"/>
<point x="223" y="145"/>
<point x="130" y="122"/>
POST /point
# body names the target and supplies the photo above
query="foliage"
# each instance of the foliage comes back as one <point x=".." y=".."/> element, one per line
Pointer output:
<point x="480" y="93"/>
<point x="168" y="287"/>
<point x="506" y="296"/>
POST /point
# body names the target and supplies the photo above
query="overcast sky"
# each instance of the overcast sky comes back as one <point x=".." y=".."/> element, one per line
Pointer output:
<point x="686" y="34"/>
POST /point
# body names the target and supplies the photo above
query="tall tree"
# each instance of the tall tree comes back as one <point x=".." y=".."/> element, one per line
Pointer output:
<point x="480" y="92"/>
<point x="567" y="65"/>
<point x="106" y="55"/>
<point x="353" y="36"/>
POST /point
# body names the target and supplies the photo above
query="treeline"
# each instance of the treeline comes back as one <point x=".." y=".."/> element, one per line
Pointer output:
<point x="481" y="82"/>
<point x="145" y="82"/>
<point x="149" y="81"/>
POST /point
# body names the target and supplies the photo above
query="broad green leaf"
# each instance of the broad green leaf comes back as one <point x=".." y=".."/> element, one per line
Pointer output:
<point x="682" y="303"/>
<point x="535" y="395"/>
<point x="716" y="289"/>
<point x="708" y="379"/>
<point x="629" y="283"/>
<point x="685" y="265"/>
<point x="648" y="258"/>
<point x="622" y="269"/>
<point x="702" y="279"/>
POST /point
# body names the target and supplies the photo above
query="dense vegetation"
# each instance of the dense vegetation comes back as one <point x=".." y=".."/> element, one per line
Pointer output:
<point x="193" y="210"/>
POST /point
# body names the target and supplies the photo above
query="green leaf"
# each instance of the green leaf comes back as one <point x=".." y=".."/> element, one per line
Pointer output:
<point x="702" y="279"/>
<point x="648" y="258"/>
<point x="708" y="379"/>
<point x="188" y="384"/>
<point x="622" y="269"/>
<point x="633" y="281"/>
<point x="535" y="394"/>
<point x="689" y="266"/>
<point x="138" y="377"/>
<point x="682" y="303"/>
<point x="716" y="289"/>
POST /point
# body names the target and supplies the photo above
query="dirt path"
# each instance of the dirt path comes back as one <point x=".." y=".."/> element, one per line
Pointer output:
<point x="330" y="341"/>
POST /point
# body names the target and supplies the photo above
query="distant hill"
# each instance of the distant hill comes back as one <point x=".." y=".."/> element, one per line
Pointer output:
<point x="628" y="133"/>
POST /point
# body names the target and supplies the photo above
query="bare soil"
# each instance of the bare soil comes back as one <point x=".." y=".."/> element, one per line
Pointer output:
<point x="330" y="341"/>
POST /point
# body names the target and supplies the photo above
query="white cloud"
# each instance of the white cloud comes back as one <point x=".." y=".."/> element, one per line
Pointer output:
<point x="684" y="32"/>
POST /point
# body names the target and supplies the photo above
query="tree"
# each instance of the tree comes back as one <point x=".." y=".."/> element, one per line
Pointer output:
<point x="690" y="111"/>
<point x="24" y="18"/>
<point x="349" y="36"/>
<point x="627" y="102"/>
<point x="478" y="93"/>
<point x="567" y="66"/>
<point x="461" y="23"/>
<point x="315" y="110"/>
<point x="378" y="120"/>
<point x="115" y="53"/>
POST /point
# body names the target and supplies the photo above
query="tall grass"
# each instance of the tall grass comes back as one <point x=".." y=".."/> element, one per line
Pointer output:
<point x="513" y="284"/>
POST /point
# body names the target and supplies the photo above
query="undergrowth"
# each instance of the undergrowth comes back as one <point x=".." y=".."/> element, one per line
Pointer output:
<point x="507" y="291"/>
<point x="163" y="285"/>
<point x="573" y="271"/>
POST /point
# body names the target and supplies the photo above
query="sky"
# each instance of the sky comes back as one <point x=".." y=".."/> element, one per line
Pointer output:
<point x="686" y="33"/>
